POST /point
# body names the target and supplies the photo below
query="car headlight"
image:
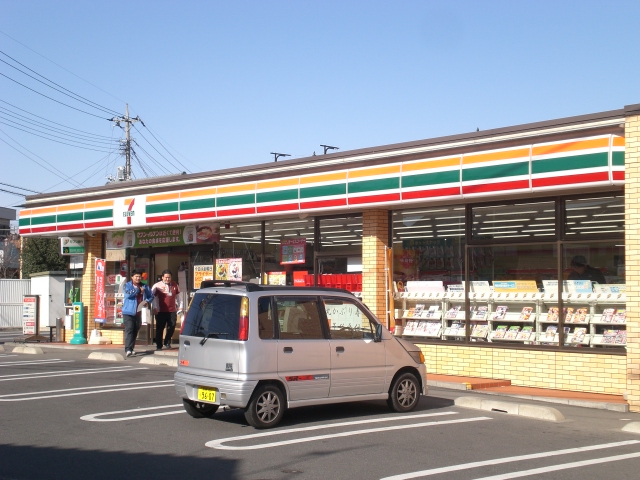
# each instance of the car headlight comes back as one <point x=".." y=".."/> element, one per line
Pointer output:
<point x="418" y="357"/>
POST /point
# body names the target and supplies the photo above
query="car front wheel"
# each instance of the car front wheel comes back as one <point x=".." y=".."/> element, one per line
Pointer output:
<point x="404" y="393"/>
<point x="266" y="408"/>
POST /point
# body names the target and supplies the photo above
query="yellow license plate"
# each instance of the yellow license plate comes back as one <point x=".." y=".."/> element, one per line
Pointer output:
<point x="206" y="394"/>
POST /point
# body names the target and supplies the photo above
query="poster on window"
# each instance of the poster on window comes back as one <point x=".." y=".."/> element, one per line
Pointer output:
<point x="201" y="273"/>
<point x="293" y="251"/>
<point x="229" y="269"/>
<point x="101" y="311"/>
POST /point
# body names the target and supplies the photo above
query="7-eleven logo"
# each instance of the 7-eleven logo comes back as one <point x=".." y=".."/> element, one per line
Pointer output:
<point x="129" y="212"/>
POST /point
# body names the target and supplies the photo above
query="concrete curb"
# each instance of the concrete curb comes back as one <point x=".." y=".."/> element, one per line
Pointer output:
<point x="28" y="350"/>
<point x="159" y="360"/>
<point x="1" y="349"/>
<point x="633" y="427"/>
<point x="109" y="357"/>
<point x="449" y="385"/>
<point x="522" y="409"/>
<point x="166" y="353"/>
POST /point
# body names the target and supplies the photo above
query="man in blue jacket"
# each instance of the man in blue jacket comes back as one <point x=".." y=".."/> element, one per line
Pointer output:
<point x="136" y="295"/>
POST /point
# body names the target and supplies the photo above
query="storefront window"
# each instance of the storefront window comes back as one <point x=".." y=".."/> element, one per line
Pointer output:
<point x="595" y="216"/>
<point x="289" y="251"/>
<point x="340" y="249"/>
<point x="524" y="220"/>
<point x="241" y="244"/>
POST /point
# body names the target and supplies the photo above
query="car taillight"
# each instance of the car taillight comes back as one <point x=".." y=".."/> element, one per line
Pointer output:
<point x="243" y="325"/>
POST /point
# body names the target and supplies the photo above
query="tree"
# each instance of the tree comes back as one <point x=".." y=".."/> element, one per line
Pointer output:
<point x="41" y="255"/>
<point x="10" y="256"/>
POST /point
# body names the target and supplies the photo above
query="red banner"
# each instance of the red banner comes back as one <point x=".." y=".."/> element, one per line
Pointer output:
<point x="101" y="312"/>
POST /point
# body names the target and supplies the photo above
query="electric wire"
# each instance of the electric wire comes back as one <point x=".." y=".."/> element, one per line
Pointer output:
<point x="159" y="153"/>
<point x="159" y="164"/>
<point x="78" y="173"/>
<point x="143" y="124"/>
<point x="19" y="188"/>
<point x="13" y="193"/>
<point x="71" y="95"/>
<point x="135" y="155"/>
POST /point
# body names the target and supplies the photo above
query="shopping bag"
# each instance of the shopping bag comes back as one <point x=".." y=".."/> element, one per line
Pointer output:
<point x="145" y="314"/>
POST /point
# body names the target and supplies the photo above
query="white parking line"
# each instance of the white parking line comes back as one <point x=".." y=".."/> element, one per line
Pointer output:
<point x="94" y="416"/>
<point x="33" y="362"/>
<point x="30" y="395"/>
<point x="8" y="355"/>
<point x="64" y="373"/>
<point x="518" y="458"/>
<point x="218" y="444"/>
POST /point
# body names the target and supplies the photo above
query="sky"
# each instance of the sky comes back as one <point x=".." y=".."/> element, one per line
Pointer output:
<point x="222" y="84"/>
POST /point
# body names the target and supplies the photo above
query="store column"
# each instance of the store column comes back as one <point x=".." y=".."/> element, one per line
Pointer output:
<point x="92" y="250"/>
<point x="375" y="237"/>
<point x="632" y="251"/>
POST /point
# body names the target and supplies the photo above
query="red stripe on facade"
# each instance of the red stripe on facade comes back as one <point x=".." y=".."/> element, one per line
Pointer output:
<point x="108" y="223"/>
<point x="389" y="197"/>
<point x="571" y="179"/>
<point x="24" y="231"/>
<point x="237" y="211"/>
<point x="618" y="175"/>
<point x="438" y="192"/>
<point x="71" y="226"/>
<point x="163" y="219"/>
<point x="52" y="228"/>
<point x="192" y="216"/>
<point x="336" y="202"/>
<point x="495" y="187"/>
<point x="277" y="208"/>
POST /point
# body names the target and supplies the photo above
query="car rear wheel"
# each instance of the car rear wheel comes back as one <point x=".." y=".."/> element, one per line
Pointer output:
<point x="266" y="408"/>
<point x="404" y="393"/>
<point x="199" y="409"/>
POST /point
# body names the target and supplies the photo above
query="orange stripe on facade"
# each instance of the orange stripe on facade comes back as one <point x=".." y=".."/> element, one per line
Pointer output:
<point x="105" y="203"/>
<point x="205" y="192"/>
<point x="496" y="156"/>
<point x="428" y="164"/>
<point x="163" y="196"/>
<point x="618" y="141"/>
<point x="25" y="213"/>
<point x="247" y="188"/>
<point x="287" y="182"/>
<point x="372" y="172"/>
<point x="66" y="208"/>
<point x="571" y="146"/>
<point x="40" y="211"/>
<point x="330" y="177"/>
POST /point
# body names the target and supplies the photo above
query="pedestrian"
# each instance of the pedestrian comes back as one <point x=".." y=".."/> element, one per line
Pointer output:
<point x="167" y="305"/>
<point x="136" y="296"/>
<point x="581" y="270"/>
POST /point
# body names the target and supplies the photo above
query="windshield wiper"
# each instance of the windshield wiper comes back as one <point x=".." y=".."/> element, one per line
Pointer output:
<point x="204" y="340"/>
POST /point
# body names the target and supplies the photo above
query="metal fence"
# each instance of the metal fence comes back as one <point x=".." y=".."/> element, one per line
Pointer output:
<point x="11" y="294"/>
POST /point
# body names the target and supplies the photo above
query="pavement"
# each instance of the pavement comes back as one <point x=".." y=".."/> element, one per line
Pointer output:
<point x="502" y="388"/>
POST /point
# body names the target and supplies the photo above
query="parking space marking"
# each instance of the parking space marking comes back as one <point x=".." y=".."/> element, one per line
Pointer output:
<point x="8" y="355"/>
<point x="21" y="397"/>
<point x="94" y="416"/>
<point x="64" y="373"/>
<point x="218" y="444"/>
<point x="518" y="458"/>
<point x="19" y="363"/>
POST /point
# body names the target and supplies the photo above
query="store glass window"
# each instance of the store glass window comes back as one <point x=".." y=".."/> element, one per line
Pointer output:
<point x="523" y="220"/>
<point x="340" y="248"/>
<point x="241" y="245"/>
<point x="602" y="216"/>
<point x="289" y="251"/>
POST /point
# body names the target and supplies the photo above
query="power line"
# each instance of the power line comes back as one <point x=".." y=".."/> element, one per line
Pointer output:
<point x="14" y="186"/>
<point x="159" y="153"/>
<point x="153" y="159"/>
<point x="13" y="193"/>
<point x="162" y="145"/>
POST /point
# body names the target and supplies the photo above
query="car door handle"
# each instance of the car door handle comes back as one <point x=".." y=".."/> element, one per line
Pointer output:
<point x="340" y="349"/>
<point x="287" y="349"/>
<point x="187" y="343"/>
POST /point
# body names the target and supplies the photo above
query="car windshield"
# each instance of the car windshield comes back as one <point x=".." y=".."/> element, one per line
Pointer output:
<point x="213" y="315"/>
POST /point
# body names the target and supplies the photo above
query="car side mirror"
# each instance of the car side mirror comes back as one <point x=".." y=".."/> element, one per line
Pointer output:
<point x="378" y="337"/>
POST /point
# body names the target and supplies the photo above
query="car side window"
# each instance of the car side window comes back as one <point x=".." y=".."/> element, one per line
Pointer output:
<point x="347" y="320"/>
<point x="299" y="318"/>
<point x="265" y="318"/>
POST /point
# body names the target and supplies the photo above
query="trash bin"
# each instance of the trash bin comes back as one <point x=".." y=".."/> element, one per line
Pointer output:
<point x="59" y="330"/>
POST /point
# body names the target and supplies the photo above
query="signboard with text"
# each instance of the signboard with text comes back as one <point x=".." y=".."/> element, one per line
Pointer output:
<point x="293" y="251"/>
<point x="201" y="273"/>
<point x="30" y="315"/>
<point x="229" y="269"/>
<point x="101" y="312"/>
<point x="71" y="245"/>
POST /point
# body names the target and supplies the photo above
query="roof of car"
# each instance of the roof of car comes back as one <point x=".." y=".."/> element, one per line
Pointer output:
<point x="253" y="287"/>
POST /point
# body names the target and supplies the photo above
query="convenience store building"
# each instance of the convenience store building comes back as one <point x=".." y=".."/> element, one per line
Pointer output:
<point x="499" y="218"/>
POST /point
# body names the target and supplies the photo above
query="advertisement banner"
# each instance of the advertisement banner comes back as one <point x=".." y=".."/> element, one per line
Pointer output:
<point x="101" y="311"/>
<point x="201" y="273"/>
<point x="293" y="251"/>
<point x="29" y="315"/>
<point x="201" y="233"/>
<point x="229" y="269"/>
<point x="71" y="245"/>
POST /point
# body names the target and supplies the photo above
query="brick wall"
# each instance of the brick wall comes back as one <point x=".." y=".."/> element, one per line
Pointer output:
<point x="375" y="234"/>
<point x="632" y="258"/>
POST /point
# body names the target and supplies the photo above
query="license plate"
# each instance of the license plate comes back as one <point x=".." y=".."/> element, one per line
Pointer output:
<point x="206" y="394"/>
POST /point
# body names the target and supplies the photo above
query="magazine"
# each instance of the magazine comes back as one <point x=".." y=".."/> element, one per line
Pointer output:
<point x="550" y="333"/>
<point x="581" y="315"/>
<point x="417" y="312"/>
<point x="410" y="312"/>
<point x="525" y="333"/>
<point x="578" y="335"/>
<point x="620" y="316"/>
<point x="433" y="312"/>
<point x="621" y="337"/>
<point x="526" y="314"/>
<point x="500" y="331"/>
<point x="512" y="333"/>
<point x="500" y="313"/>
<point x="433" y="329"/>
<point x="607" y="315"/>
<point x="609" y="336"/>
<point x="410" y="328"/>
<point x="481" y="330"/>
<point x="552" y="316"/>
<point x="568" y="315"/>
<point x="480" y="313"/>
<point x="421" y="330"/>
<point x="453" y="312"/>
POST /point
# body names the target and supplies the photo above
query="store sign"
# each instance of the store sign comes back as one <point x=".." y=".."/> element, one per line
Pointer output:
<point x="71" y="245"/>
<point x="202" y="233"/>
<point x="515" y="286"/>
<point x="201" y="273"/>
<point x="120" y="239"/>
<point x="293" y="251"/>
<point x="276" y="278"/>
<point x="129" y="212"/>
<point x="29" y="315"/>
<point x="101" y="312"/>
<point x="160" y="237"/>
<point x="229" y="269"/>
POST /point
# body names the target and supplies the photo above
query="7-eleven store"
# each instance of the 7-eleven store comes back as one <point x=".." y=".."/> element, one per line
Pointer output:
<point x="481" y="220"/>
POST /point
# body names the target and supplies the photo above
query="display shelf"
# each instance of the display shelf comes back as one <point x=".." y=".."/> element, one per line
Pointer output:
<point x="603" y="341"/>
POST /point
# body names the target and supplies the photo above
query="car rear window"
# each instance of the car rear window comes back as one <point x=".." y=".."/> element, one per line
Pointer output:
<point x="213" y="315"/>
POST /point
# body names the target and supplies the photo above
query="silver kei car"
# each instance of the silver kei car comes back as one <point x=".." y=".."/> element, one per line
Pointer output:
<point x="266" y="349"/>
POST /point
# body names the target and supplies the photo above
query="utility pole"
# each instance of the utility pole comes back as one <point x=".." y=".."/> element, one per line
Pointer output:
<point x="128" y="121"/>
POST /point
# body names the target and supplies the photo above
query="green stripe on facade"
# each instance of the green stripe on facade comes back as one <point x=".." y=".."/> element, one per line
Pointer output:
<point x="323" y="191"/>
<point x="162" y="208"/>
<point x="24" y="222"/>
<point x="43" y="220"/>
<point x="425" y="179"/>
<point x="200" y="204"/>
<point x="278" y="196"/>
<point x="371" y="186"/>
<point x="70" y="217"/>
<point x="495" y="172"/>
<point x="618" y="159"/>
<point x="574" y="162"/>
<point x="234" y="200"/>
<point x="96" y="214"/>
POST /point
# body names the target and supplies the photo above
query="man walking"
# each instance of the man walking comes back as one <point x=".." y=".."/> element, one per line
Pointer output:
<point x="166" y="308"/>
<point x="136" y="296"/>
